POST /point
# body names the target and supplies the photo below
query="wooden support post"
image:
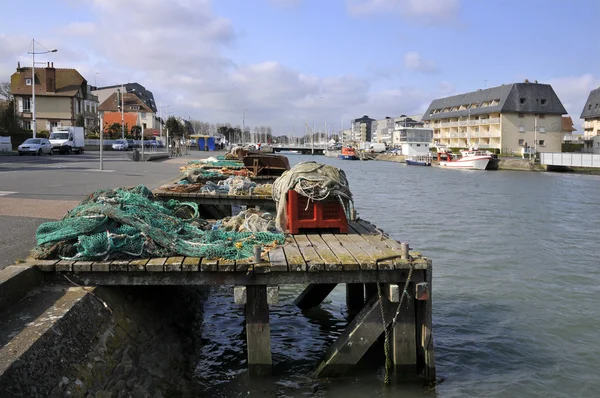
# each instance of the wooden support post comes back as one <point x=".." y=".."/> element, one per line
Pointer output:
<point x="404" y="338"/>
<point x="404" y="250"/>
<point x="314" y="294"/>
<point x="425" y="353"/>
<point x="355" y="298"/>
<point x="356" y="339"/>
<point x="258" y="331"/>
<point x="370" y="290"/>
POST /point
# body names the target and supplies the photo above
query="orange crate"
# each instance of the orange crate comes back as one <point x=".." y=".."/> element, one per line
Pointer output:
<point x="303" y="213"/>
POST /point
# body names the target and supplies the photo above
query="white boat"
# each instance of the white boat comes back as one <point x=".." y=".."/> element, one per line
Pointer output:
<point x="472" y="159"/>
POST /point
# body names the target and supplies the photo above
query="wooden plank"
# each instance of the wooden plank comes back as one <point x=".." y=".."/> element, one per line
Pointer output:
<point x="258" y="331"/>
<point x="313" y="295"/>
<point x="347" y="261"/>
<point x="314" y="262"/>
<point x="404" y="338"/>
<point x="359" y="229"/>
<point x="45" y="265"/>
<point x="191" y="264"/>
<point x="371" y="228"/>
<point x="373" y="251"/>
<point x="156" y="264"/>
<point x="101" y="266"/>
<point x="356" y="339"/>
<point x="119" y="265"/>
<point x="427" y="333"/>
<point x="244" y="265"/>
<point x="331" y="262"/>
<point x="364" y="260"/>
<point x="277" y="259"/>
<point x="226" y="265"/>
<point x="386" y="252"/>
<point x="173" y="264"/>
<point x="209" y="265"/>
<point x="137" y="265"/>
<point x="82" y="266"/>
<point x="64" y="266"/>
<point x="294" y="258"/>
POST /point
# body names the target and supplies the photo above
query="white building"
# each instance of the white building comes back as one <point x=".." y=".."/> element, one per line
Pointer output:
<point x="412" y="141"/>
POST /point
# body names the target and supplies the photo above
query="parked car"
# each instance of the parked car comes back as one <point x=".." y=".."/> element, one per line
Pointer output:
<point x="132" y="144"/>
<point x="35" y="146"/>
<point x="120" y="145"/>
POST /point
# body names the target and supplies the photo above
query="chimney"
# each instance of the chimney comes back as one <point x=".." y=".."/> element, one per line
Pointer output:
<point x="50" y="78"/>
<point x="19" y="65"/>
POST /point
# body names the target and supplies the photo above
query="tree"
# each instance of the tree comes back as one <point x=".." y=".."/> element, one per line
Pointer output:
<point x="8" y="121"/>
<point x="5" y="93"/>
<point x="175" y="127"/>
<point x="136" y="132"/>
<point x="80" y="121"/>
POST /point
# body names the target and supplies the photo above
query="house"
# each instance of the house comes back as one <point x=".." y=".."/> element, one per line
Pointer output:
<point x="568" y="129"/>
<point x="384" y="129"/>
<point x="61" y="96"/>
<point x="591" y="115"/>
<point x="362" y="129"/>
<point x="149" y="116"/>
<point x="506" y="118"/>
<point x="412" y="141"/>
<point x="135" y="113"/>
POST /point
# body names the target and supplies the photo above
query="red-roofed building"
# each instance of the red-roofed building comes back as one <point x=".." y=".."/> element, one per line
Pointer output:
<point x="135" y="113"/>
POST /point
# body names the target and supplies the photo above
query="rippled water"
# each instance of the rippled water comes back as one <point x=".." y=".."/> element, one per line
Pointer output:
<point x="516" y="289"/>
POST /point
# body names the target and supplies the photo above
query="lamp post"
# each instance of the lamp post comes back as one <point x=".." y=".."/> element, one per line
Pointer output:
<point x="33" y="53"/>
<point x="243" y="125"/>
<point x="160" y="117"/>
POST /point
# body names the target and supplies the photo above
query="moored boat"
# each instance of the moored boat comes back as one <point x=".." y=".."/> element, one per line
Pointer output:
<point x="471" y="159"/>
<point x="348" y="153"/>
<point x="415" y="162"/>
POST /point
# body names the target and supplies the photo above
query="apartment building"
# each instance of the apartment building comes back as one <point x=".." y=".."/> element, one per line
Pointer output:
<point x="135" y="112"/>
<point x="591" y="115"/>
<point x="383" y="130"/>
<point x="61" y="95"/>
<point x="362" y="129"/>
<point x="506" y="118"/>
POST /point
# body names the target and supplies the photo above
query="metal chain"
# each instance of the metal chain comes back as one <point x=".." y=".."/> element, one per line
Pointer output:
<point x="386" y="345"/>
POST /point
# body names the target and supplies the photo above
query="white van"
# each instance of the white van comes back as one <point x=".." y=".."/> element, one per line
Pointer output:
<point x="377" y="147"/>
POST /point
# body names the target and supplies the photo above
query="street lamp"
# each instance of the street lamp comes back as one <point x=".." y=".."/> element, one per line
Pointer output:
<point x="33" y="53"/>
<point x="243" y="125"/>
<point x="160" y="117"/>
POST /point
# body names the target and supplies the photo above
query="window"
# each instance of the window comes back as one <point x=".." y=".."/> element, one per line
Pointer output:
<point x="521" y="142"/>
<point x="520" y="115"/>
<point x="541" y="142"/>
<point x="54" y="124"/>
<point x="543" y="101"/>
<point x="143" y="115"/>
<point x="134" y="107"/>
<point x="26" y="104"/>
<point x="28" y="82"/>
<point x="522" y="100"/>
<point x="596" y="106"/>
<point x="589" y="107"/>
<point x="541" y="115"/>
<point x="26" y="125"/>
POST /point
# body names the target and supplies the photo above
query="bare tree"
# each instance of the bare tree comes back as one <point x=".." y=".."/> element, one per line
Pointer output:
<point x="5" y="93"/>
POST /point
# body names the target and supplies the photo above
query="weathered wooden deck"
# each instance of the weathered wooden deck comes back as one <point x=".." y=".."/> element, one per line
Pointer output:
<point x="365" y="260"/>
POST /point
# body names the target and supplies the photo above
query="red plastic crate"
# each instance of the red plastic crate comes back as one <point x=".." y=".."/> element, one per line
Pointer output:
<point x="326" y="214"/>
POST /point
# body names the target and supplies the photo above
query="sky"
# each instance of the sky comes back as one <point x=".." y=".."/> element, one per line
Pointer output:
<point x="292" y="63"/>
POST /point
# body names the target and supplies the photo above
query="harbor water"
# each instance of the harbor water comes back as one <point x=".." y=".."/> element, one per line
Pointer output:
<point x="516" y="290"/>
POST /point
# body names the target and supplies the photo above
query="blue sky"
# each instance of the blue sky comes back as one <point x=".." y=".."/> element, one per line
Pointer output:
<point x="287" y="61"/>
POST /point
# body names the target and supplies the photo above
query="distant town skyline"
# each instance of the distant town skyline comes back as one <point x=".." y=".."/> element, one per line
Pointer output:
<point x="283" y="62"/>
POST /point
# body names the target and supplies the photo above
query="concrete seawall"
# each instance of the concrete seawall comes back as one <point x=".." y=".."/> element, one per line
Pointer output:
<point x="64" y="340"/>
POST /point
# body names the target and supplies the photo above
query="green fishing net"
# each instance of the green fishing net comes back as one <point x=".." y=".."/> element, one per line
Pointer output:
<point x="126" y="223"/>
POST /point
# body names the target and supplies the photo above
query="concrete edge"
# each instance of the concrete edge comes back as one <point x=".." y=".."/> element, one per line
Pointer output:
<point x="15" y="282"/>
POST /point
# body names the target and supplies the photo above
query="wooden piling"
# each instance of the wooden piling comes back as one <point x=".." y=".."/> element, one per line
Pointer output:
<point x="258" y="331"/>
<point x="404" y="338"/>
<point x="355" y="298"/>
<point x="313" y="295"/>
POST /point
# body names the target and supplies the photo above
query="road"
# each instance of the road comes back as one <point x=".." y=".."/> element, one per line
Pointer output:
<point x="37" y="189"/>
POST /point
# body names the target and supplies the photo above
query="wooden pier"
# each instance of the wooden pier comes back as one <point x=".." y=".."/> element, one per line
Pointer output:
<point x="388" y="288"/>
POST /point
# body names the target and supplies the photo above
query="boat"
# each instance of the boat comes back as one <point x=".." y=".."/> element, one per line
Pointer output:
<point x="348" y="153"/>
<point x="415" y="162"/>
<point x="472" y="159"/>
<point x="265" y="164"/>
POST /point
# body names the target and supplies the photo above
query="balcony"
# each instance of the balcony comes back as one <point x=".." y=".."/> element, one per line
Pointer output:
<point x="463" y="122"/>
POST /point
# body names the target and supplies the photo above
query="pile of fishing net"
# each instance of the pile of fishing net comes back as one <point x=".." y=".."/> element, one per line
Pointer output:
<point x="250" y="220"/>
<point x="126" y="223"/>
<point x="211" y="163"/>
<point x="237" y="185"/>
<point x="315" y="181"/>
<point x="182" y="186"/>
<point x="197" y="174"/>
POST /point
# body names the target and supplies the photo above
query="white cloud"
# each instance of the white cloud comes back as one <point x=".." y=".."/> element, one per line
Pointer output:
<point x="573" y="91"/>
<point x="428" y="11"/>
<point x="414" y="62"/>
